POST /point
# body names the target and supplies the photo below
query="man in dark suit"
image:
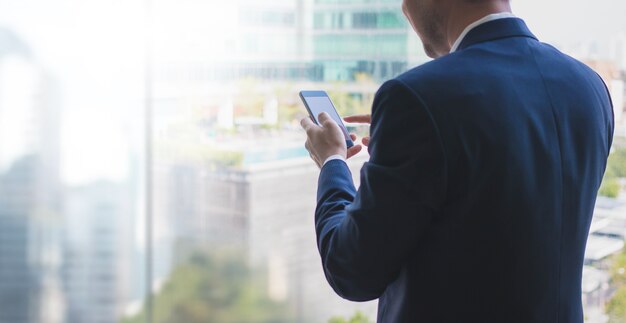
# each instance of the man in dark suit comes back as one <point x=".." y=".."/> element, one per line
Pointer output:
<point x="484" y="168"/>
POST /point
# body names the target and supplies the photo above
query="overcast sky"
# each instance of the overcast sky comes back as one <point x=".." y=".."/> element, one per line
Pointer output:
<point x="567" y="21"/>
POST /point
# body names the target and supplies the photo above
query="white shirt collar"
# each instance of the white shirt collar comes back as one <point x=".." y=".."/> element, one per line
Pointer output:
<point x="485" y="19"/>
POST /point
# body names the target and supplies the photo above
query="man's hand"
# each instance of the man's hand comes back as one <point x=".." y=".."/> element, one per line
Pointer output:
<point x="361" y="118"/>
<point x="326" y="140"/>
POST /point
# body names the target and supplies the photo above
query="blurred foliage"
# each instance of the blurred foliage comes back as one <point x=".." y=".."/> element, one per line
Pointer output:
<point x="290" y="108"/>
<point x="218" y="288"/>
<point x="353" y="98"/>
<point x="616" y="166"/>
<point x="250" y="102"/>
<point x="616" y="307"/>
<point x="615" y="169"/>
<point x="357" y="318"/>
<point x="618" y="269"/>
<point x="186" y="140"/>
<point x="193" y="136"/>
<point x="193" y="152"/>
<point x="349" y="103"/>
<point x="610" y="187"/>
<point x="363" y="78"/>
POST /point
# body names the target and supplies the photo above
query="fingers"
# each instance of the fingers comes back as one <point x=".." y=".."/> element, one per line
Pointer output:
<point x="325" y="119"/>
<point x="307" y="145"/>
<point x="307" y="124"/>
<point x="328" y="123"/>
<point x="353" y="151"/>
<point x="359" y="118"/>
<point x="365" y="140"/>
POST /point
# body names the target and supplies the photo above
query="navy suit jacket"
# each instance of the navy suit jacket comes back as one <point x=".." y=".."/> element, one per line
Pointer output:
<point x="476" y="202"/>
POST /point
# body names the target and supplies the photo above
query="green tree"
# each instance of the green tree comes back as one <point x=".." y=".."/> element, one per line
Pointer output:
<point x="616" y="166"/>
<point x="618" y="269"/>
<point x="610" y="187"/>
<point x="250" y="100"/>
<point x="616" y="307"/>
<point x="348" y="103"/>
<point x="357" y="318"/>
<point x="615" y="169"/>
<point x="214" y="288"/>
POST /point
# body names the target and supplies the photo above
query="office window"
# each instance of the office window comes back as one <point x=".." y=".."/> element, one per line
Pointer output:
<point x="364" y="20"/>
<point x="152" y="166"/>
<point x="378" y="20"/>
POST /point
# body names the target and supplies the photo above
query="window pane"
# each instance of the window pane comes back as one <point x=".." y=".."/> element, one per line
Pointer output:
<point x="70" y="118"/>
<point x="234" y="189"/>
<point x="152" y="166"/>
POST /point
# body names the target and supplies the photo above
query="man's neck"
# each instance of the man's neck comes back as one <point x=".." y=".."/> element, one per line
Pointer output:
<point x="464" y="15"/>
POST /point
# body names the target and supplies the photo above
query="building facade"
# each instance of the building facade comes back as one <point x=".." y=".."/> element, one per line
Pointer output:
<point x="353" y="37"/>
<point x="30" y="222"/>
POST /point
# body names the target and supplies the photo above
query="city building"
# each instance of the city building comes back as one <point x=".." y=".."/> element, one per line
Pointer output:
<point x="291" y="44"/>
<point x="265" y="205"/>
<point x="288" y="40"/>
<point x="257" y="192"/>
<point x="362" y="37"/>
<point x="30" y="251"/>
<point x="98" y="259"/>
<point x="606" y="238"/>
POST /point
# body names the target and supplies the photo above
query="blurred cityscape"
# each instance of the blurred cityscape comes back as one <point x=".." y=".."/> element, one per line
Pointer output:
<point x="233" y="190"/>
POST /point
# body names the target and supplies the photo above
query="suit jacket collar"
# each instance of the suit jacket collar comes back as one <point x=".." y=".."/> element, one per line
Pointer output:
<point x="497" y="29"/>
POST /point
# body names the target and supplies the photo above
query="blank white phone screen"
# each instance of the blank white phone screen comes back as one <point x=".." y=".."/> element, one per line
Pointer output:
<point x="319" y="104"/>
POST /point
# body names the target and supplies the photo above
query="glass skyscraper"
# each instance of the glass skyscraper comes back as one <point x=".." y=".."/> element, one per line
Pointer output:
<point x="29" y="187"/>
<point x="352" y="37"/>
<point x="309" y="40"/>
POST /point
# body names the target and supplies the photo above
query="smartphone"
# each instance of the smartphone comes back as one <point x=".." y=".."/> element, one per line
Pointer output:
<point x="317" y="102"/>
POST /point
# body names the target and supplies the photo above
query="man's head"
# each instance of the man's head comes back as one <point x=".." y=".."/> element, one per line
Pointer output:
<point x="437" y="21"/>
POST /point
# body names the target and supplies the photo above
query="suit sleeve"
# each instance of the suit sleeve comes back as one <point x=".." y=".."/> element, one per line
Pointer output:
<point x="365" y="237"/>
